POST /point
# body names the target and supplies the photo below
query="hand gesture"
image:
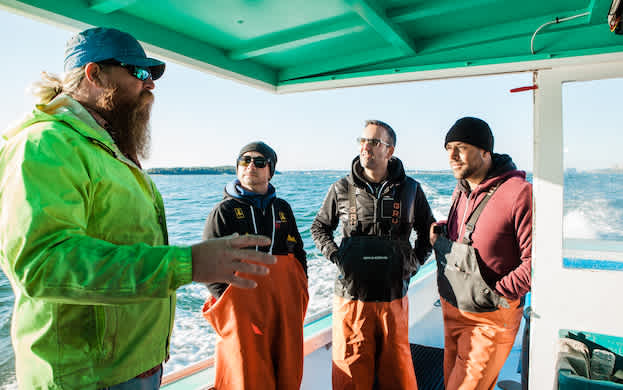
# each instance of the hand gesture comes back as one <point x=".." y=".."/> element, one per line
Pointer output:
<point x="223" y="259"/>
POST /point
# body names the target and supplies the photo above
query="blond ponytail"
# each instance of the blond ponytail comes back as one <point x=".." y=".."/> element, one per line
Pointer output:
<point x="51" y="85"/>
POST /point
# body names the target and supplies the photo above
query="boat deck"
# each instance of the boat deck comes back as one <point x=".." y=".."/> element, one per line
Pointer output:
<point x="428" y="366"/>
<point x="426" y="338"/>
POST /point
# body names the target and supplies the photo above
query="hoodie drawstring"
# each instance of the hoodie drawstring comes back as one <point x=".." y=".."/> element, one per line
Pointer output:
<point x="272" y="240"/>
<point x="254" y="225"/>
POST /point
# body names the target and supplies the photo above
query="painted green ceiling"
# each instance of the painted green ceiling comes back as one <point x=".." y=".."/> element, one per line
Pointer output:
<point x="285" y="42"/>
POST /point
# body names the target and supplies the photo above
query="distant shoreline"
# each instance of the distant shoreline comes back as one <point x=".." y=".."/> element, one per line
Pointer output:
<point x="231" y="170"/>
<point x="221" y="170"/>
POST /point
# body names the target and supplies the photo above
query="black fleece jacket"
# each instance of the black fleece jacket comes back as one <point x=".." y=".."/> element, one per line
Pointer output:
<point x="243" y="214"/>
<point x="374" y="218"/>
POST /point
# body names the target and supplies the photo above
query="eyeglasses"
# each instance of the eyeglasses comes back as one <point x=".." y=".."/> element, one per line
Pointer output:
<point x="139" y="72"/>
<point x="372" y="141"/>
<point x="259" y="162"/>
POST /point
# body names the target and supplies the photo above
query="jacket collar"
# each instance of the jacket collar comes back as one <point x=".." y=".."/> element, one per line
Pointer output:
<point x="502" y="168"/>
<point x="395" y="172"/>
<point x="261" y="201"/>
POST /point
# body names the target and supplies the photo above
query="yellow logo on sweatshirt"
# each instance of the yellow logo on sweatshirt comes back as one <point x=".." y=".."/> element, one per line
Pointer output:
<point x="238" y="212"/>
<point x="282" y="216"/>
<point x="291" y="239"/>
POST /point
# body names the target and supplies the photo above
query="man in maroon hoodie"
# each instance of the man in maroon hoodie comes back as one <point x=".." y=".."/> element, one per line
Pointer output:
<point x="483" y="254"/>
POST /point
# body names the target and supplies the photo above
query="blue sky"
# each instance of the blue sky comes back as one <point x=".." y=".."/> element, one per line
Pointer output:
<point x="201" y="120"/>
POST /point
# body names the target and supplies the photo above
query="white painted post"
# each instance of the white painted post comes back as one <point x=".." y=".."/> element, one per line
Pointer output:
<point x="547" y="227"/>
<point x="562" y="298"/>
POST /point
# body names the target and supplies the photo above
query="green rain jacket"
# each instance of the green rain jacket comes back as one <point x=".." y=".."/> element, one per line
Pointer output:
<point x="83" y="241"/>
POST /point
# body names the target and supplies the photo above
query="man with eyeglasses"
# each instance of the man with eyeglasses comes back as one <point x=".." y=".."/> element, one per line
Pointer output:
<point x="266" y="322"/>
<point x="378" y="207"/>
<point x="84" y="239"/>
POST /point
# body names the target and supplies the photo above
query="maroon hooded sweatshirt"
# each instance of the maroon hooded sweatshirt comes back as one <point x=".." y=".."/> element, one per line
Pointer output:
<point x="502" y="236"/>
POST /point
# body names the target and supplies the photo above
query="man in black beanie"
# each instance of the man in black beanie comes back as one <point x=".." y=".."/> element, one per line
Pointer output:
<point x="269" y="322"/>
<point x="489" y="229"/>
<point x="472" y="131"/>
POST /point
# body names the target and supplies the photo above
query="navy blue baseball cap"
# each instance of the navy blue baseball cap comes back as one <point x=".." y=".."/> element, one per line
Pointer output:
<point x="102" y="43"/>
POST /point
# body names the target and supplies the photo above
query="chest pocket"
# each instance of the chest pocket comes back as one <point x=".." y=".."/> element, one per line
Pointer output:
<point x="369" y="266"/>
<point x="459" y="279"/>
<point x="389" y="216"/>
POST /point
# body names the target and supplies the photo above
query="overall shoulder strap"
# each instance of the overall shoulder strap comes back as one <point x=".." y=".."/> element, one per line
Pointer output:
<point x="352" y="205"/>
<point x="473" y="218"/>
<point x="401" y="191"/>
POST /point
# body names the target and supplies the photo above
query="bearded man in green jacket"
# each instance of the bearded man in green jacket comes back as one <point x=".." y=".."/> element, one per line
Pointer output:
<point x="83" y="238"/>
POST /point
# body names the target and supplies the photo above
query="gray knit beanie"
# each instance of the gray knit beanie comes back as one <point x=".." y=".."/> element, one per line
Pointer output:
<point x="264" y="150"/>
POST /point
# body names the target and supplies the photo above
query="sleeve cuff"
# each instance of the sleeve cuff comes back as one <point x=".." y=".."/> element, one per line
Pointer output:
<point x="183" y="266"/>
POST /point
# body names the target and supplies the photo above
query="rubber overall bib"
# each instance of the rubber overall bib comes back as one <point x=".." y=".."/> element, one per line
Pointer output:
<point x="371" y="317"/>
<point x="260" y="330"/>
<point x="479" y="324"/>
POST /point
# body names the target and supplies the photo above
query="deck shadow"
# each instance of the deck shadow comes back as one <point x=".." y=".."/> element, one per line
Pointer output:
<point x="428" y="365"/>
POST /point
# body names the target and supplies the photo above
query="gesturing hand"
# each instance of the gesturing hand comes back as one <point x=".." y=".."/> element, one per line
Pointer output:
<point x="222" y="259"/>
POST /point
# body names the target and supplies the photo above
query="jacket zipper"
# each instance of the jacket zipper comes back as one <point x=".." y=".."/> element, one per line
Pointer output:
<point x="377" y="196"/>
<point x="102" y="145"/>
<point x="274" y="222"/>
<point x="165" y="238"/>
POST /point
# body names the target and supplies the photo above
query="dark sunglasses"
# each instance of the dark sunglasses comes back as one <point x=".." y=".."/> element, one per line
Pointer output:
<point x="139" y="72"/>
<point x="259" y="162"/>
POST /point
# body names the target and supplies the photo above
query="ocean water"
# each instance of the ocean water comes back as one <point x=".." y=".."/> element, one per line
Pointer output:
<point x="593" y="209"/>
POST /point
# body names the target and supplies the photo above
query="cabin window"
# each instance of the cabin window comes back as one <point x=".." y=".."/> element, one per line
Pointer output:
<point x="593" y="176"/>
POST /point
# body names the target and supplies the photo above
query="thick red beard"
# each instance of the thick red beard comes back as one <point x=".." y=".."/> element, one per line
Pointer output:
<point x="129" y="121"/>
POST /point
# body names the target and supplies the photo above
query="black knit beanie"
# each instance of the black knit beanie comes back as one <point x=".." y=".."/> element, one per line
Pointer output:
<point x="472" y="131"/>
<point x="264" y="150"/>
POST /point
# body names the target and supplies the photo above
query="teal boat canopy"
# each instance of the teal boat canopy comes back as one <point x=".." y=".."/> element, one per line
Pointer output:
<point x="291" y="45"/>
